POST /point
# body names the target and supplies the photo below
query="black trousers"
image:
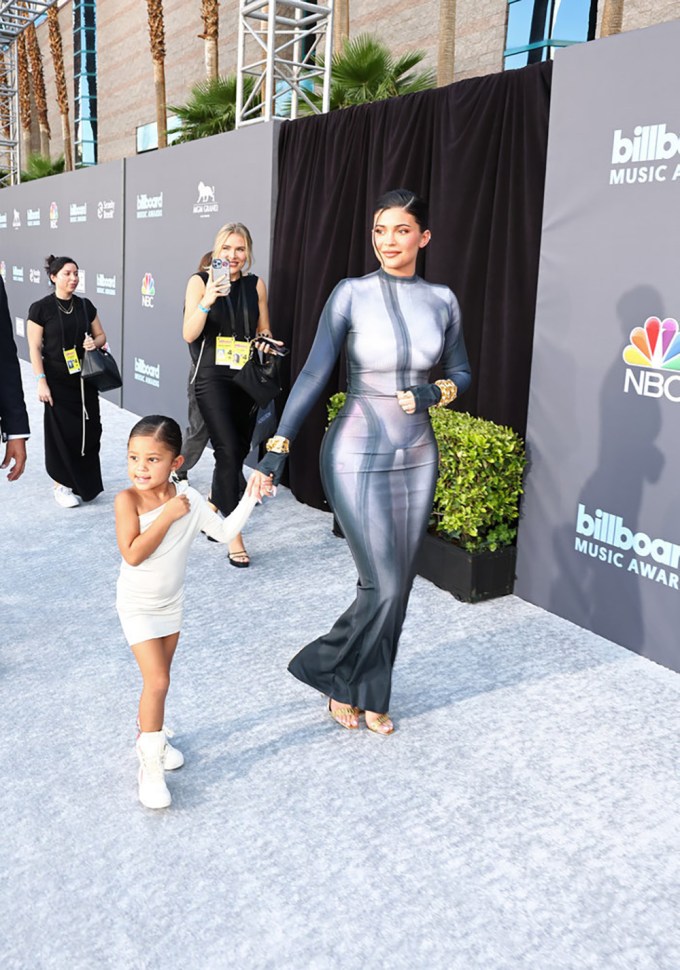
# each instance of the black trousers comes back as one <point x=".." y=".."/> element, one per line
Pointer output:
<point x="72" y="437"/>
<point x="229" y="414"/>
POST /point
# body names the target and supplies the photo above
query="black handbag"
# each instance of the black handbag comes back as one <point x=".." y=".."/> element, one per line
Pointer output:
<point x="100" y="370"/>
<point x="260" y="377"/>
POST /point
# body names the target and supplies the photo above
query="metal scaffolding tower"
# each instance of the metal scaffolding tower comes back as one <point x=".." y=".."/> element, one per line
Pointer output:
<point x="15" y="16"/>
<point x="286" y="47"/>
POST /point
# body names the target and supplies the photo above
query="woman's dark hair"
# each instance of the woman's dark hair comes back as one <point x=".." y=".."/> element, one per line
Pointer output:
<point x="165" y="430"/>
<point x="205" y="263"/>
<point x="54" y="263"/>
<point x="408" y="200"/>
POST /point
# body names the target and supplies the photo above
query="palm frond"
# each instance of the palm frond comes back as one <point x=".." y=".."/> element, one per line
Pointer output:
<point x="364" y="70"/>
<point x="211" y="109"/>
<point x="37" y="167"/>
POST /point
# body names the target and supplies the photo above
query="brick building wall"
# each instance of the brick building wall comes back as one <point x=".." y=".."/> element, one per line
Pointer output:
<point x="125" y="69"/>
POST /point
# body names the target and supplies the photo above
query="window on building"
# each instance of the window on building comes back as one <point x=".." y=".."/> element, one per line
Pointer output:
<point x="85" y="81"/>
<point x="147" y="135"/>
<point x="536" y="28"/>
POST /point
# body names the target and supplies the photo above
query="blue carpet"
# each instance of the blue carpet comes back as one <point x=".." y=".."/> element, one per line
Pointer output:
<point x="524" y="816"/>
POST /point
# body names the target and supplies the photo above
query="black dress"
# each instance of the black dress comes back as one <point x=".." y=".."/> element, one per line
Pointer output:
<point x="229" y="413"/>
<point x="378" y="464"/>
<point x="72" y="424"/>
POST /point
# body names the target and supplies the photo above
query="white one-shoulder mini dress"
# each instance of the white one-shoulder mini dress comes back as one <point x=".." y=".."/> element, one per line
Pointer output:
<point x="150" y="596"/>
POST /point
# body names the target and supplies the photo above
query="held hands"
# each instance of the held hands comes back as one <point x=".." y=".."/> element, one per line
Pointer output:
<point x="420" y="398"/>
<point x="88" y="342"/>
<point x="261" y="486"/>
<point x="177" y="507"/>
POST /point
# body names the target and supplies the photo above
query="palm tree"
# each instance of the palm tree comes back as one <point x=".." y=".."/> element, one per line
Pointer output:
<point x="340" y="24"/>
<point x="446" y="50"/>
<point x="35" y="58"/>
<point x="57" y="52"/>
<point x="157" y="43"/>
<point x="612" y="18"/>
<point x="365" y="70"/>
<point x="38" y="166"/>
<point x="24" y="86"/>
<point x="211" y="31"/>
<point x="211" y="108"/>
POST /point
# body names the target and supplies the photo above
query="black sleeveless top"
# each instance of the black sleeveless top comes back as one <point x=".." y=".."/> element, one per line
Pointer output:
<point x="235" y="315"/>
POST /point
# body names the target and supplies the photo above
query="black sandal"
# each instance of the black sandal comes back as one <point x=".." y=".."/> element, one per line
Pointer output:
<point x="239" y="563"/>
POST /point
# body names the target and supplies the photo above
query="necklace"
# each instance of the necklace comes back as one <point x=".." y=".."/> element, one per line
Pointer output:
<point x="63" y="310"/>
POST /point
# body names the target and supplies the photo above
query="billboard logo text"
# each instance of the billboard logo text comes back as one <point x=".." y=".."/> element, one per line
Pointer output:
<point x="149" y="206"/>
<point x="147" y="373"/>
<point x="649" y="143"/>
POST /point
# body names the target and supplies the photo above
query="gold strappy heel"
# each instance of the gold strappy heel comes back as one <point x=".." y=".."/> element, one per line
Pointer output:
<point x="346" y="711"/>
<point x="377" y="722"/>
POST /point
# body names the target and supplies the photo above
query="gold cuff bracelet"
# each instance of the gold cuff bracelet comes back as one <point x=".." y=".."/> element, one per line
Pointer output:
<point x="278" y="444"/>
<point x="449" y="392"/>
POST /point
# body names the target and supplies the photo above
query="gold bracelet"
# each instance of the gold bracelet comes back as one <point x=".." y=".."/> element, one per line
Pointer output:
<point x="449" y="392"/>
<point x="278" y="444"/>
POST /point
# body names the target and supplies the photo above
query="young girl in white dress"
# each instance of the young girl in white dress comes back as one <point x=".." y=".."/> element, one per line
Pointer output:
<point x="156" y="521"/>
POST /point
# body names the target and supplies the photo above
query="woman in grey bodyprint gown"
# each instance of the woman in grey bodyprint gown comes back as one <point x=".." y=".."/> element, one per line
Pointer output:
<point x="379" y="456"/>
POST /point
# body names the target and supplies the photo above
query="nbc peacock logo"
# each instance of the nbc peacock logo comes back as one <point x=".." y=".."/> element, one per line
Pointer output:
<point x="148" y="290"/>
<point x="655" y="349"/>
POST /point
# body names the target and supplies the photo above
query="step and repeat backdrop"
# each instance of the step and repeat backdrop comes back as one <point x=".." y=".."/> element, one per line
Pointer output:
<point x="599" y="540"/>
<point x="175" y="202"/>
<point x="137" y="229"/>
<point x="78" y="214"/>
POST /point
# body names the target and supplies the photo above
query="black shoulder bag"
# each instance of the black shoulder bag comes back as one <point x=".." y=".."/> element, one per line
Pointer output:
<point x="260" y="375"/>
<point x="100" y="370"/>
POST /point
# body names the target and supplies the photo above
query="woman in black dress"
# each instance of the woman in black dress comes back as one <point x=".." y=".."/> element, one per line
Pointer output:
<point x="223" y="309"/>
<point x="60" y="328"/>
<point x="379" y="456"/>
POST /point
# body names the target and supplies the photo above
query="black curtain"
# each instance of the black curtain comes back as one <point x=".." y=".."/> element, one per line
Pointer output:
<point x="476" y="151"/>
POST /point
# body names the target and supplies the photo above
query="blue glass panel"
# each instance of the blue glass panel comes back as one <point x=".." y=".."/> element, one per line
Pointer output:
<point x="85" y="80"/>
<point x="516" y="60"/>
<point x="519" y="23"/>
<point x="572" y="20"/>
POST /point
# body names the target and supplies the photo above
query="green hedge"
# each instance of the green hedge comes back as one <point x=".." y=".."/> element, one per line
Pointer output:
<point x="481" y="465"/>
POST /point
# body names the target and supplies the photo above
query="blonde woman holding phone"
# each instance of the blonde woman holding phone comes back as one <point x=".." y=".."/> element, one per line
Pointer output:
<point x="225" y="307"/>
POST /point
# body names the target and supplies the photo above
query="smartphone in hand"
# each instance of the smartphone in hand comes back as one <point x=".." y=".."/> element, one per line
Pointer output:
<point x="220" y="273"/>
<point x="277" y="349"/>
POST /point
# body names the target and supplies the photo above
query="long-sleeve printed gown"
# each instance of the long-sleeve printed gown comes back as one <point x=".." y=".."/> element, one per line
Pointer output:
<point x="378" y="464"/>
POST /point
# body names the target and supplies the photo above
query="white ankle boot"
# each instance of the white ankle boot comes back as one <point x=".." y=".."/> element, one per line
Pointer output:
<point x="153" y="792"/>
<point x="172" y="758"/>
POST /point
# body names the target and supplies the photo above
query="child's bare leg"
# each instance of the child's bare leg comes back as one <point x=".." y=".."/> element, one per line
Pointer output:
<point x="154" y="658"/>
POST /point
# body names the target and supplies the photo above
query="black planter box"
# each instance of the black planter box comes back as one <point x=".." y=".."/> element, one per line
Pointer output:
<point x="470" y="576"/>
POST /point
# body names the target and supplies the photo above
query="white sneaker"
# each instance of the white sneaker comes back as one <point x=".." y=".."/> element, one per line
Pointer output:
<point x="64" y="496"/>
<point x="172" y="757"/>
<point x="153" y="792"/>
